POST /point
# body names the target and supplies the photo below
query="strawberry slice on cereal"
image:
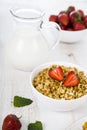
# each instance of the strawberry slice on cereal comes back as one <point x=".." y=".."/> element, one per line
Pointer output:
<point x="71" y="79"/>
<point x="56" y="74"/>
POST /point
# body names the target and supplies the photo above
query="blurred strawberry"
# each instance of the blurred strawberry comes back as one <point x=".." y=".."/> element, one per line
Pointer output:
<point x="81" y="12"/>
<point x="63" y="18"/>
<point x="69" y="29"/>
<point x="62" y="27"/>
<point x="56" y="74"/>
<point x="53" y="18"/>
<point x="11" y="122"/>
<point x="70" y="9"/>
<point x="78" y="26"/>
<point x="75" y="16"/>
<point x="71" y="79"/>
<point x="85" y="20"/>
<point x="69" y="25"/>
<point x="61" y="12"/>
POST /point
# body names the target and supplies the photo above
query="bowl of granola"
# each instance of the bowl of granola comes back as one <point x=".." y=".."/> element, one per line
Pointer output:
<point x="59" y="86"/>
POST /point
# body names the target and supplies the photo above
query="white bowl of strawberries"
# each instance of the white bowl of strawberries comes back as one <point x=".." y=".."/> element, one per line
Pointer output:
<point x="73" y="23"/>
<point x="59" y="86"/>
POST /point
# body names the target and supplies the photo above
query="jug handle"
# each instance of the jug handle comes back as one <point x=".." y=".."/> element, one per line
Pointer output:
<point x="54" y="29"/>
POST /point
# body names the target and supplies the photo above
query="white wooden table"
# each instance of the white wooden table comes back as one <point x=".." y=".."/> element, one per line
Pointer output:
<point x="14" y="82"/>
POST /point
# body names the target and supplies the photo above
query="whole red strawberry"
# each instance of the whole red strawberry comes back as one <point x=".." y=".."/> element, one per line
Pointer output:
<point x="75" y="16"/>
<point x="70" y="9"/>
<point x="63" y="18"/>
<point x="81" y="12"/>
<point x="78" y="26"/>
<point x="11" y="122"/>
<point x="53" y="18"/>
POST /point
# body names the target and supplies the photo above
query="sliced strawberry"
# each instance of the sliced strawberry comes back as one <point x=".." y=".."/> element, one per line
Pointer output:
<point x="71" y="79"/>
<point x="56" y="74"/>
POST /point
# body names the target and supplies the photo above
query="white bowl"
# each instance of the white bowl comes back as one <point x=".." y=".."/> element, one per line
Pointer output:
<point x="53" y="104"/>
<point x="73" y="36"/>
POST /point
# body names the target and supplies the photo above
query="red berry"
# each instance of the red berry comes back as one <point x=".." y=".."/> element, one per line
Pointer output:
<point x="75" y="16"/>
<point x="81" y="12"/>
<point x="71" y="79"/>
<point x="53" y="18"/>
<point x="56" y="74"/>
<point x="63" y="18"/>
<point x="70" y="9"/>
<point x="11" y="122"/>
<point x="69" y="29"/>
<point x="78" y="26"/>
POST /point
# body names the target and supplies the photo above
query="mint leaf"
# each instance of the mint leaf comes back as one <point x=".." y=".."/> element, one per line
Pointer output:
<point x="21" y="101"/>
<point x="35" y="126"/>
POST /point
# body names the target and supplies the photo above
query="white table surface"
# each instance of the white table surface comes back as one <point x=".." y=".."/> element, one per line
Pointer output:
<point x="14" y="82"/>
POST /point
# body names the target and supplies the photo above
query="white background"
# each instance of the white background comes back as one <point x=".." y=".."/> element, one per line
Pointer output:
<point x="14" y="82"/>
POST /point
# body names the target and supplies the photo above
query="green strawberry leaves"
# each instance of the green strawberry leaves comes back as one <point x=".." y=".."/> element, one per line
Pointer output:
<point x="35" y="126"/>
<point x="21" y="101"/>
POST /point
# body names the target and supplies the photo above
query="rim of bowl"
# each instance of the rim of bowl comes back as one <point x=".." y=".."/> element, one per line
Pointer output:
<point x="74" y="31"/>
<point x="59" y="63"/>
